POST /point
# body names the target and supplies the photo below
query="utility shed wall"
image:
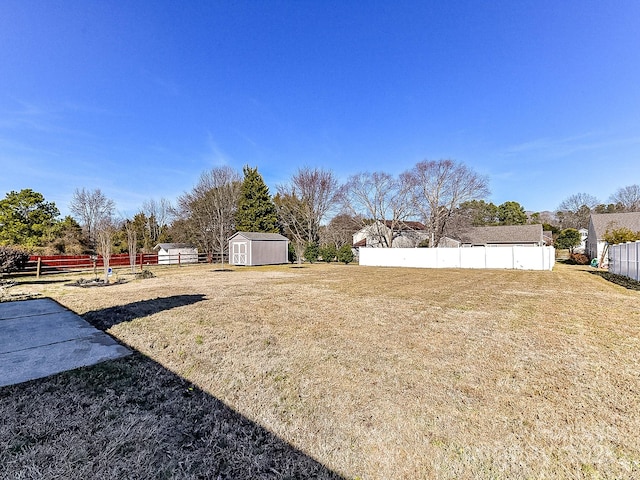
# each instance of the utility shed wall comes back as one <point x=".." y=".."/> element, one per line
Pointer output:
<point x="268" y="253"/>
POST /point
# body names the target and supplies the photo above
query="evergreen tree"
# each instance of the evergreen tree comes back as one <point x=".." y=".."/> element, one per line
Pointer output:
<point x="26" y="219"/>
<point x="511" y="213"/>
<point x="256" y="210"/>
<point x="345" y="254"/>
<point x="569" y="238"/>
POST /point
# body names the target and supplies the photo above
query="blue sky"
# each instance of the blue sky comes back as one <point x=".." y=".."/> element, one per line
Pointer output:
<point x="138" y="98"/>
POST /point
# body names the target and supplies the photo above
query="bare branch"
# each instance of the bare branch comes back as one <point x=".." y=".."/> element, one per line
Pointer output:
<point x="628" y="197"/>
<point x="381" y="201"/>
<point x="439" y="187"/>
<point x="92" y="208"/>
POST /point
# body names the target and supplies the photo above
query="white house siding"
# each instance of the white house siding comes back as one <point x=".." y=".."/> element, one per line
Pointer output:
<point x="584" y="233"/>
<point x="404" y="239"/>
<point x="515" y="258"/>
<point x="593" y="247"/>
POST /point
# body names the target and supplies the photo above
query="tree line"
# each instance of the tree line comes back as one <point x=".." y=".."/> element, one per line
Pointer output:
<point x="313" y="209"/>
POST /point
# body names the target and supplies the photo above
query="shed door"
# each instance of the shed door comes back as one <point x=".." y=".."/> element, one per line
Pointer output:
<point x="239" y="253"/>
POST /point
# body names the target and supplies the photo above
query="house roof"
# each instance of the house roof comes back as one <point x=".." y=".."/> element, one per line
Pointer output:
<point x="167" y="246"/>
<point x="268" y="237"/>
<point x="611" y="221"/>
<point x="503" y="234"/>
<point x="361" y="243"/>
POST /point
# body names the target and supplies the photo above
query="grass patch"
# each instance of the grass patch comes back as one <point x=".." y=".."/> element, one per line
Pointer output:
<point x="371" y="372"/>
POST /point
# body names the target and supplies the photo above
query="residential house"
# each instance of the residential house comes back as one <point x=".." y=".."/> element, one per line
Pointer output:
<point x="582" y="248"/>
<point x="499" y="236"/>
<point x="403" y="234"/>
<point x="600" y="223"/>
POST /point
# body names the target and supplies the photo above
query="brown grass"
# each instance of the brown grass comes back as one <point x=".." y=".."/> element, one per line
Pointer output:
<point x="373" y="372"/>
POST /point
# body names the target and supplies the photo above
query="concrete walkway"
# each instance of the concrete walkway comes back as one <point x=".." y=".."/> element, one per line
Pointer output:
<point x="40" y="337"/>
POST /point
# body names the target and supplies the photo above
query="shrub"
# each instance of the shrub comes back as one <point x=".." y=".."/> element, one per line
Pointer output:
<point x="578" y="259"/>
<point x="145" y="274"/>
<point x="621" y="235"/>
<point x="292" y="253"/>
<point x="328" y="253"/>
<point x="12" y="259"/>
<point x="311" y="252"/>
<point x="345" y="254"/>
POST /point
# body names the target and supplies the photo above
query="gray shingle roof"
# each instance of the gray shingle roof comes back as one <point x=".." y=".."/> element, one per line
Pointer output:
<point x="503" y="234"/>
<point x="260" y="236"/>
<point x="612" y="221"/>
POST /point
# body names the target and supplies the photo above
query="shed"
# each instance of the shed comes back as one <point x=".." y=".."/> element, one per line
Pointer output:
<point x="176" y="253"/>
<point x="254" y="248"/>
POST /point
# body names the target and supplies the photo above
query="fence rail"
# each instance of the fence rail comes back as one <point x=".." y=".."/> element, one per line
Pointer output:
<point x="50" y="264"/>
<point x="624" y="259"/>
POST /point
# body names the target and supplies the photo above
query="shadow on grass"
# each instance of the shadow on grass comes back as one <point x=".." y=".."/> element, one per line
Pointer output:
<point x="106" y="318"/>
<point x="133" y="418"/>
<point x="47" y="281"/>
<point x="621" y="280"/>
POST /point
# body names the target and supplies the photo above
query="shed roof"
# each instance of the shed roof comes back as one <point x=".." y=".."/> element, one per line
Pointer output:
<point x="268" y="237"/>
<point x="503" y="234"/>
<point x="167" y="246"/>
<point x="611" y="221"/>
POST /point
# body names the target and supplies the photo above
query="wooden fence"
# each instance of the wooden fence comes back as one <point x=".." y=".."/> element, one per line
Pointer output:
<point x="49" y="264"/>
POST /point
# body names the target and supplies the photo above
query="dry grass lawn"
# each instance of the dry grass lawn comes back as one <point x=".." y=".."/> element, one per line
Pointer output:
<point x="361" y="372"/>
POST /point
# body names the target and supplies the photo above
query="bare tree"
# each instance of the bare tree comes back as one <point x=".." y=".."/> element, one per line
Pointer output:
<point x="340" y="230"/>
<point x="158" y="215"/>
<point x="438" y="188"/>
<point x="105" y="229"/>
<point x="132" y="243"/>
<point x="628" y="197"/>
<point x="91" y="207"/>
<point x="317" y="191"/>
<point x="292" y="217"/>
<point x="380" y="201"/>
<point x="574" y="211"/>
<point x="209" y="209"/>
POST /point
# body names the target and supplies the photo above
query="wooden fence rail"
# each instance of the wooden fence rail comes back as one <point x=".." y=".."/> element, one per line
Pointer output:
<point x="49" y="264"/>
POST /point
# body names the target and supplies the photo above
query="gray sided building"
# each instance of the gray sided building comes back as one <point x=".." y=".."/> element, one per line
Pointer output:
<point x="254" y="248"/>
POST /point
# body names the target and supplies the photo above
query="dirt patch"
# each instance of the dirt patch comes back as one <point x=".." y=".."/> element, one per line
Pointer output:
<point x="90" y="283"/>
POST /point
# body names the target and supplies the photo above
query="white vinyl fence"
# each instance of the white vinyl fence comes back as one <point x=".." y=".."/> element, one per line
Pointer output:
<point x="515" y="258"/>
<point x="623" y="259"/>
